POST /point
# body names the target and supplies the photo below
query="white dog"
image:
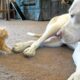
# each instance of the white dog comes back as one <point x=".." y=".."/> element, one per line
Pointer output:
<point x="64" y="29"/>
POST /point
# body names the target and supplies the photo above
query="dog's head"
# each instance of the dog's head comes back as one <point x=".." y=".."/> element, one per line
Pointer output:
<point x="74" y="12"/>
<point x="71" y="31"/>
<point x="3" y="33"/>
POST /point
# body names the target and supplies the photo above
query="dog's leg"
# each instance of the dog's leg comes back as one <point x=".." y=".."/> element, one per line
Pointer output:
<point x="52" y="29"/>
<point x="76" y="58"/>
<point x="31" y="50"/>
<point x="53" y="42"/>
<point x="19" y="47"/>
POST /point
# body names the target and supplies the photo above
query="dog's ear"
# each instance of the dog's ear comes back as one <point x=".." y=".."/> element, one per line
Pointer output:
<point x="3" y="33"/>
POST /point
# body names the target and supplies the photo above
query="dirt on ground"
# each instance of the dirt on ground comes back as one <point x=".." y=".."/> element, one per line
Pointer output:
<point x="47" y="64"/>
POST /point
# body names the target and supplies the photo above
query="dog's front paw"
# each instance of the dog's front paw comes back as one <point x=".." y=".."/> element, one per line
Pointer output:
<point x="29" y="52"/>
<point x="75" y="76"/>
<point x="19" y="47"/>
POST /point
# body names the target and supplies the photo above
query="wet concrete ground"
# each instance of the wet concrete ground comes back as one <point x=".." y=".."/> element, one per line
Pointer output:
<point x="47" y="64"/>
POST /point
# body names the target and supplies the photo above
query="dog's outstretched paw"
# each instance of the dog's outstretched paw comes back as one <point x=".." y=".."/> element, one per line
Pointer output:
<point x="75" y="76"/>
<point x="29" y="52"/>
<point x="21" y="46"/>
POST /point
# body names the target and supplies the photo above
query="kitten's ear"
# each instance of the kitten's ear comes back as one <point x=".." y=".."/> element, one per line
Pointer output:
<point x="3" y="33"/>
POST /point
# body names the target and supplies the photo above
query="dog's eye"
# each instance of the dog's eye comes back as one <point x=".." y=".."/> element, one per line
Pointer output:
<point x="72" y="15"/>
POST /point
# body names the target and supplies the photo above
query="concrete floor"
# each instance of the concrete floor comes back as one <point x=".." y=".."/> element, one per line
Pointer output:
<point x="48" y="64"/>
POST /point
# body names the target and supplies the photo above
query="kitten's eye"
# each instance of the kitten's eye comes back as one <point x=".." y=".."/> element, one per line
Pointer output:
<point x="72" y="15"/>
